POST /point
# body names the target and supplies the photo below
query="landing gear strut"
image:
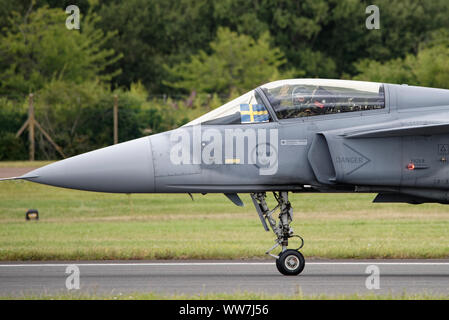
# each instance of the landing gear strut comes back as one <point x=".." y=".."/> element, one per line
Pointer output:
<point x="289" y="261"/>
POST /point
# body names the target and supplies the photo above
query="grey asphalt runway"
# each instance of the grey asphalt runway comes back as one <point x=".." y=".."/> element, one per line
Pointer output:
<point x="195" y="277"/>
<point x="14" y="172"/>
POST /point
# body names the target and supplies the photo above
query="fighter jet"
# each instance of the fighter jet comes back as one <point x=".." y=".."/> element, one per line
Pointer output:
<point x="288" y="136"/>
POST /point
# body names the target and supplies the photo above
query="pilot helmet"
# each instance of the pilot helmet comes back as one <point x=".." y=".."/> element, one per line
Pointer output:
<point x="299" y="95"/>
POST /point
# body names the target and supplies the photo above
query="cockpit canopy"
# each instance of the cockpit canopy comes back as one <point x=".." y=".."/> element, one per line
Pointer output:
<point x="296" y="98"/>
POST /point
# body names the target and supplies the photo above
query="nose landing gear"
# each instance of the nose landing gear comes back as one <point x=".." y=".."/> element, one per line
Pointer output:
<point x="289" y="261"/>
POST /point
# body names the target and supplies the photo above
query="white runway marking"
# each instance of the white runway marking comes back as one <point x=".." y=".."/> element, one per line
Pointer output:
<point x="221" y="264"/>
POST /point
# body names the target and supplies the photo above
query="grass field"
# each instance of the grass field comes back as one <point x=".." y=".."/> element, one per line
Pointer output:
<point x="83" y="225"/>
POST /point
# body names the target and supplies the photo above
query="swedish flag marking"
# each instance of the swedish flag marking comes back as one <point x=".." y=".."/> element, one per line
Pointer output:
<point x="251" y="113"/>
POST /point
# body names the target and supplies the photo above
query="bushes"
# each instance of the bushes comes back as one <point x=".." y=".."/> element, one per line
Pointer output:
<point x="12" y="117"/>
<point x="12" y="148"/>
<point x="428" y="68"/>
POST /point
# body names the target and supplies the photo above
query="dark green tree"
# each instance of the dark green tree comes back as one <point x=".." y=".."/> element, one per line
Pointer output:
<point x="154" y="33"/>
<point x="429" y="68"/>
<point x="38" y="48"/>
<point x="237" y="63"/>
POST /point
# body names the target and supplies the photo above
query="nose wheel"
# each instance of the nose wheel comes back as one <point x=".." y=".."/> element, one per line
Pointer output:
<point x="290" y="262"/>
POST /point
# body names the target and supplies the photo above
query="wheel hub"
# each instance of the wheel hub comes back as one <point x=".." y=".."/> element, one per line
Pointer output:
<point x="291" y="262"/>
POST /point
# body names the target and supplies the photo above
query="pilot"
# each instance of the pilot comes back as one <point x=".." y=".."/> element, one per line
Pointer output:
<point x="323" y="101"/>
<point x="301" y="102"/>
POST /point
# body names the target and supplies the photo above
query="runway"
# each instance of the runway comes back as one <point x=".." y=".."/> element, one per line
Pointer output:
<point x="196" y="277"/>
<point x="14" y="172"/>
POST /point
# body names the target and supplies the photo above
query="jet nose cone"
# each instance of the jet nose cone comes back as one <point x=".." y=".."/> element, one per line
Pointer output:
<point x="122" y="168"/>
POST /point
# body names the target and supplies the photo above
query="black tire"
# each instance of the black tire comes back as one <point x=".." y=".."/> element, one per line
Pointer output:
<point x="279" y="267"/>
<point x="290" y="262"/>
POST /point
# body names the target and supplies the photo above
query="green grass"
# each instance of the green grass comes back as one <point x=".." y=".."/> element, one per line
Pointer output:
<point x="84" y="225"/>
<point x="220" y="296"/>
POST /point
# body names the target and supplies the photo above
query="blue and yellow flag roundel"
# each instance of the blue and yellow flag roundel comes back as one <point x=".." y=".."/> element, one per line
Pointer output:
<point x="251" y="113"/>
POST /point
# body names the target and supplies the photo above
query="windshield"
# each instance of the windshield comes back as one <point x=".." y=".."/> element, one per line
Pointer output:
<point x="311" y="97"/>
<point x="248" y="108"/>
